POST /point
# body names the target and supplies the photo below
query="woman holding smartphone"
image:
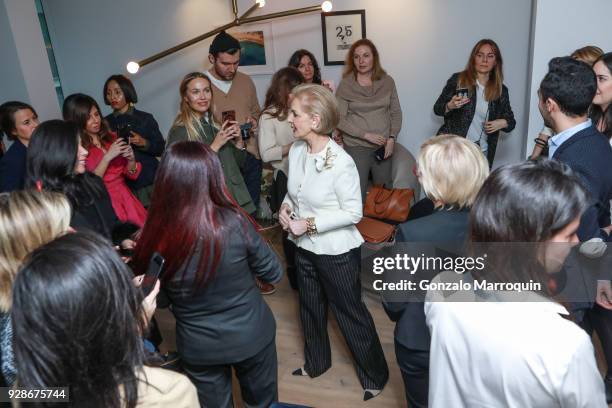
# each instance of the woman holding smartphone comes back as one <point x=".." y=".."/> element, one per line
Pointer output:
<point x="194" y="122"/>
<point x="140" y="128"/>
<point x="475" y="103"/>
<point x="109" y="157"/>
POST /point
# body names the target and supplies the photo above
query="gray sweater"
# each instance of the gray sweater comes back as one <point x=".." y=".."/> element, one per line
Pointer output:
<point x="365" y="109"/>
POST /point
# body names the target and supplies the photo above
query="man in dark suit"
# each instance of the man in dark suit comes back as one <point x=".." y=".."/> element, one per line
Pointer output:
<point x="565" y="95"/>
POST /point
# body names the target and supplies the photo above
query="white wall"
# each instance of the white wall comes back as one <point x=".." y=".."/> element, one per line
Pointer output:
<point x="553" y="37"/>
<point x="25" y="74"/>
<point x="30" y="56"/>
<point x="421" y="44"/>
<point x="12" y="84"/>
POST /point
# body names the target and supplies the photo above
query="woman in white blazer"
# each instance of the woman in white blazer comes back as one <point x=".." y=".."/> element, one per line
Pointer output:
<point x="320" y="210"/>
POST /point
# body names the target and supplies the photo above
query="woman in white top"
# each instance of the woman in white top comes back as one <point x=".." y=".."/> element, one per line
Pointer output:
<point x="275" y="140"/>
<point x="515" y="353"/>
<point x="320" y="211"/>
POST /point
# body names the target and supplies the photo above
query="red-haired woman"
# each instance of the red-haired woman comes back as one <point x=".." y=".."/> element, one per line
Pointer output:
<point x="213" y="254"/>
<point x="475" y="102"/>
<point x="370" y="113"/>
<point x="109" y="157"/>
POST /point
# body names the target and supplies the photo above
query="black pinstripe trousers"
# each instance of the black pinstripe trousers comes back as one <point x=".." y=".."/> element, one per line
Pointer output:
<point x="334" y="280"/>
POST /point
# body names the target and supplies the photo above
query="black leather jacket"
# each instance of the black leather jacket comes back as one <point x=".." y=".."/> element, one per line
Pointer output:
<point x="457" y="121"/>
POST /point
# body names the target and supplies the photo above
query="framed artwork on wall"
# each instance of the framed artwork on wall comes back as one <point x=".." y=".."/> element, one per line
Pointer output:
<point x="256" y="48"/>
<point x="340" y="30"/>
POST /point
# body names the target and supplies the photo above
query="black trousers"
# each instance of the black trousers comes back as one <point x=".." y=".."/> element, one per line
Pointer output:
<point x="334" y="280"/>
<point x="257" y="375"/>
<point x="414" y="365"/>
<point x="599" y="320"/>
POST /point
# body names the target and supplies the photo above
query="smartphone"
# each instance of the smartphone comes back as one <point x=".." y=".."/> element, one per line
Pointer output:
<point x="379" y="154"/>
<point x="125" y="132"/>
<point x="156" y="264"/>
<point x="463" y="92"/>
<point x="228" y="115"/>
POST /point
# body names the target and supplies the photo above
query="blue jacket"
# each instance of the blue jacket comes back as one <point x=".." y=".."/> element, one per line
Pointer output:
<point x="13" y="167"/>
<point x="589" y="155"/>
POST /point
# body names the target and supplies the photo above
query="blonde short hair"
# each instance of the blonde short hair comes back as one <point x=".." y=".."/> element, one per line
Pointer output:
<point x="318" y="100"/>
<point x="28" y="220"/>
<point x="452" y="170"/>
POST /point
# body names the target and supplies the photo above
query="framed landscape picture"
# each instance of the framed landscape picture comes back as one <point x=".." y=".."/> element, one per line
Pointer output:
<point x="340" y="30"/>
<point x="256" y="48"/>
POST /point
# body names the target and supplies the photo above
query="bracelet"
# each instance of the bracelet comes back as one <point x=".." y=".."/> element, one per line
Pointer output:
<point x="540" y="142"/>
<point x="133" y="171"/>
<point x="311" y="227"/>
<point x="392" y="137"/>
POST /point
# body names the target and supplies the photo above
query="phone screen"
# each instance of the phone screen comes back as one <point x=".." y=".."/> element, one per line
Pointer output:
<point x="156" y="264"/>
<point x="228" y="115"/>
<point x="463" y="92"/>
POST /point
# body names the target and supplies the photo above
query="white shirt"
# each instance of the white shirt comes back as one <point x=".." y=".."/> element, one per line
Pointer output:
<point x="273" y="135"/>
<point x="476" y="131"/>
<point x="331" y="194"/>
<point x="224" y="86"/>
<point x="510" y="354"/>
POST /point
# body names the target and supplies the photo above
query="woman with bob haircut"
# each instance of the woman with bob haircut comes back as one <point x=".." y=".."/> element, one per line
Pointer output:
<point x="56" y="161"/>
<point x="194" y="122"/>
<point x="475" y="102"/>
<point x="213" y="254"/>
<point x="119" y="93"/>
<point x="370" y="113"/>
<point x="17" y="120"/>
<point x="109" y="157"/>
<point x="94" y="345"/>
<point x="28" y="219"/>
<point x="511" y="348"/>
<point x="451" y="170"/>
<point x="322" y="206"/>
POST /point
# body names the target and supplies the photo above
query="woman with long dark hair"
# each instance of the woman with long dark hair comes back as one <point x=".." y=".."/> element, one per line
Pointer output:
<point x="275" y="139"/>
<point x="600" y="113"/>
<point x="370" y="113"/>
<point x="307" y="64"/>
<point x="17" y="120"/>
<point x="109" y="157"/>
<point x="93" y="346"/>
<point x="213" y="254"/>
<point x="475" y="102"/>
<point x="56" y="161"/>
<point x="507" y="347"/>
<point x="141" y="128"/>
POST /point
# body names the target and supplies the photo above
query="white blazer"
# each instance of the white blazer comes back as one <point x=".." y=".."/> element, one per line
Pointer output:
<point x="325" y="186"/>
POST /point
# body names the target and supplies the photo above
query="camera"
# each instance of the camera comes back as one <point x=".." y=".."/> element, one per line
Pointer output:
<point x="245" y="130"/>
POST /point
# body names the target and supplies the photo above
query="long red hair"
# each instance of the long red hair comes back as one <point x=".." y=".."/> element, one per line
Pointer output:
<point x="191" y="211"/>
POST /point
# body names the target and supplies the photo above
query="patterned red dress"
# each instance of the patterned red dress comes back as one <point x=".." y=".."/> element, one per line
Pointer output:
<point x="126" y="205"/>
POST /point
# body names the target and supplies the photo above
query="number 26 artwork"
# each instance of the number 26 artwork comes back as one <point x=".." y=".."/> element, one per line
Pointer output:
<point x="340" y="30"/>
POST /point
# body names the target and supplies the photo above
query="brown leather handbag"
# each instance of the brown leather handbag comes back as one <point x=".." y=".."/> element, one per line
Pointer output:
<point x="374" y="231"/>
<point x="391" y="204"/>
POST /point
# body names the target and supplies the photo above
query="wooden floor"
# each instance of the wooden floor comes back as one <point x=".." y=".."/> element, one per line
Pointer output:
<point x="338" y="387"/>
